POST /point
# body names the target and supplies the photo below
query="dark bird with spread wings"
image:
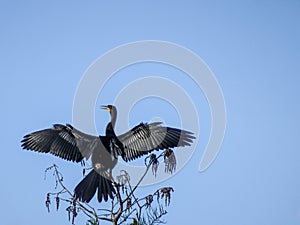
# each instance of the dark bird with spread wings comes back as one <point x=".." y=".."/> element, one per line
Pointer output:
<point x="70" y="144"/>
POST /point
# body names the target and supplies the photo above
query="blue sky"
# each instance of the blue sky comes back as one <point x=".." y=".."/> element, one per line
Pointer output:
<point x="253" y="49"/>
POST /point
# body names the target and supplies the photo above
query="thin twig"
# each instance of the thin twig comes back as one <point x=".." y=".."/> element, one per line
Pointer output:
<point x="84" y="208"/>
<point x="119" y="212"/>
<point x="135" y="187"/>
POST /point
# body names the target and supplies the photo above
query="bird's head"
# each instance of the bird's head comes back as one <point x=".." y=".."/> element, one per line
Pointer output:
<point x="109" y="108"/>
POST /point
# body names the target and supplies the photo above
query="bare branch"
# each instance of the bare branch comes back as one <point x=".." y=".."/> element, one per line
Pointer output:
<point x="144" y="210"/>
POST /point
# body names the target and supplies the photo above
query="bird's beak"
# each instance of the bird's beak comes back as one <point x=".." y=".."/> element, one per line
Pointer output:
<point x="105" y="107"/>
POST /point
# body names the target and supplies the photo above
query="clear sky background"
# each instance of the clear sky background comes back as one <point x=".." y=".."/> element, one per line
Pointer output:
<point x="252" y="47"/>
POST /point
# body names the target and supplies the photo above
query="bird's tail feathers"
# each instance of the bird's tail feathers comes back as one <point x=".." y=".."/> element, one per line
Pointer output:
<point x="87" y="188"/>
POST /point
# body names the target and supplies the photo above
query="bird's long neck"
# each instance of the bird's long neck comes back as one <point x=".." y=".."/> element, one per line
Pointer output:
<point x="111" y="125"/>
<point x="113" y="119"/>
<point x="110" y="131"/>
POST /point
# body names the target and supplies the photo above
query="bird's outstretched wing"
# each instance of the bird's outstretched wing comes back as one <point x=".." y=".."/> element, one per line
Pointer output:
<point x="145" y="138"/>
<point x="63" y="141"/>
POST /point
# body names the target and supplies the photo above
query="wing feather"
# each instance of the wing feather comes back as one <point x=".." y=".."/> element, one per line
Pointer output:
<point x="145" y="138"/>
<point x="63" y="141"/>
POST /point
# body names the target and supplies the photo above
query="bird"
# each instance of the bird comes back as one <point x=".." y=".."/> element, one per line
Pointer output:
<point x="69" y="143"/>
